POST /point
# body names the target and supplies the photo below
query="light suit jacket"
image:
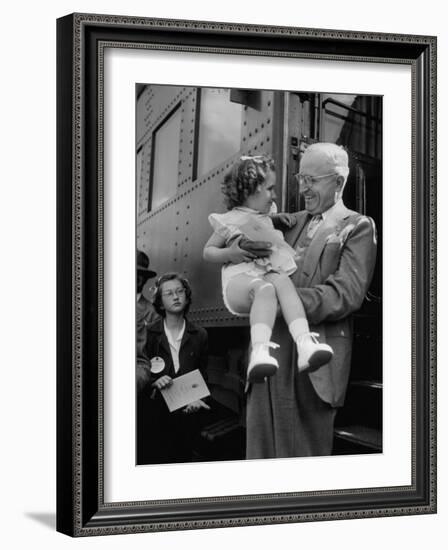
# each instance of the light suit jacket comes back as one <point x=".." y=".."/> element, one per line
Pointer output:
<point x="332" y="280"/>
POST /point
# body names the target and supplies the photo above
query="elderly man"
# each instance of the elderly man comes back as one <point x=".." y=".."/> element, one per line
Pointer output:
<point x="292" y="413"/>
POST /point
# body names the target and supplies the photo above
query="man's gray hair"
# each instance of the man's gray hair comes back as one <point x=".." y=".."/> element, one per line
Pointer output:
<point x="335" y="157"/>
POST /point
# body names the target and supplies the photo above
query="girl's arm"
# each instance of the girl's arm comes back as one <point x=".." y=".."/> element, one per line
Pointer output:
<point x="215" y="251"/>
<point x="283" y="220"/>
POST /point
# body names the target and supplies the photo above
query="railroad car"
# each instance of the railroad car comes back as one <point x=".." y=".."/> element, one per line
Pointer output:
<point x="187" y="138"/>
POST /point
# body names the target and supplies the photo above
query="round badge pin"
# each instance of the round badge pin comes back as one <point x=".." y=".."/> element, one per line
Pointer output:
<point x="157" y="365"/>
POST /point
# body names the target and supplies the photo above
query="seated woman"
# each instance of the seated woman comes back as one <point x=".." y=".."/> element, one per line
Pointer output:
<point x="174" y="346"/>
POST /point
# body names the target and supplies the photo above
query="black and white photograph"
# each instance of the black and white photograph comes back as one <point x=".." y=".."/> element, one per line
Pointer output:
<point x="246" y="275"/>
<point x="258" y="274"/>
<point x="222" y="321"/>
<point x="162" y="162"/>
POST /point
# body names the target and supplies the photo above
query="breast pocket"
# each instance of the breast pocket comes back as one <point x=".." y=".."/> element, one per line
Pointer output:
<point x="330" y="259"/>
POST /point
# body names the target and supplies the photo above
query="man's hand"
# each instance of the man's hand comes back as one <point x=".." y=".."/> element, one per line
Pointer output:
<point x="257" y="249"/>
<point x="237" y="254"/>
<point x="283" y="220"/>
<point x="195" y="406"/>
<point x="163" y="382"/>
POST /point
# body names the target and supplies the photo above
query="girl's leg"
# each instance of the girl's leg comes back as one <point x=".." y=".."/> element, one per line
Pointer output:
<point x="290" y="304"/>
<point x="262" y="312"/>
<point x="311" y="353"/>
<point x="247" y="294"/>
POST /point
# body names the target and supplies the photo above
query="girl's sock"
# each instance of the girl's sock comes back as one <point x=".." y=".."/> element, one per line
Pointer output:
<point x="260" y="333"/>
<point x="298" y="327"/>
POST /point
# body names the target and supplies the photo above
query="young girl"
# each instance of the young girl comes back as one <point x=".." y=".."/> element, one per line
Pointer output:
<point x="254" y="287"/>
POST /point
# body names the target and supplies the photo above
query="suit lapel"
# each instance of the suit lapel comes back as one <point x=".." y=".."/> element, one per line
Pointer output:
<point x="317" y="244"/>
<point x="292" y="236"/>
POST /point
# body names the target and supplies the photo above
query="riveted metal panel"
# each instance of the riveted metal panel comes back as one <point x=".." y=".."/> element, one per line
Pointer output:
<point x="204" y="197"/>
<point x="144" y="111"/>
<point x="257" y="126"/>
<point x="175" y="233"/>
<point x="153" y="106"/>
<point x="143" y="184"/>
<point x="157" y="237"/>
<point x="187" y="137"/>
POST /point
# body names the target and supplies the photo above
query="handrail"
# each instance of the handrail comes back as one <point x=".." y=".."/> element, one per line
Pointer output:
<point x="351" y="109"/>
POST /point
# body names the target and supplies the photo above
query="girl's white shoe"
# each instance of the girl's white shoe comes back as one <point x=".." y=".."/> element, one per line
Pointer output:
<point x="311" y="353"/>
<point x="261" y="364"/>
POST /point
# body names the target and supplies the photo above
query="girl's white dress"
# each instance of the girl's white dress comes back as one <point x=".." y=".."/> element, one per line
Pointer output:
<point x="257" y="227"/>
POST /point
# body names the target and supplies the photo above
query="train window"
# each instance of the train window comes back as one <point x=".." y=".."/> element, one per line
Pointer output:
<point x="165" y="160"/>
<point x="220" y="123"/>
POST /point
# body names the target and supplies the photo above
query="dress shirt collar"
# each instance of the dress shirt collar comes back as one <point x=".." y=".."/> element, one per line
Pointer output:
<point x="337" y="207"/>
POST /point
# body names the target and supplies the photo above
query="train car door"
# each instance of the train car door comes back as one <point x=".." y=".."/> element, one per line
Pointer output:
<point x="355" y="123"/>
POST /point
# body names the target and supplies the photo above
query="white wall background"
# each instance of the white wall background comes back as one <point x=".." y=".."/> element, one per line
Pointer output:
<point x="27" y="222"/>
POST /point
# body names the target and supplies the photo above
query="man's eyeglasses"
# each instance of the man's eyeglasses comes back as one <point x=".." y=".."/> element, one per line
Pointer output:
<point x="176" y="292"/>
<point x="303" y="179"/>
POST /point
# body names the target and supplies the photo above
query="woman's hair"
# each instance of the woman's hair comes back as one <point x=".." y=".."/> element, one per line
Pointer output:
<point x="244" y="178"/>
<point x="171" y="276"/>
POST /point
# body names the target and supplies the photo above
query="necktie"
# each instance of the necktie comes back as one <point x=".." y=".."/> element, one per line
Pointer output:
<point x="313" y="225"/>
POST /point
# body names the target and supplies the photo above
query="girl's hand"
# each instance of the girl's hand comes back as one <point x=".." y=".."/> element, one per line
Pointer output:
<point x="163" y="382"/>
<point x="283" y="219"/>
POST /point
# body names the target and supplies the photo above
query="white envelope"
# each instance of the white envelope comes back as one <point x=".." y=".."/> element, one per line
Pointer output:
<point x="184" y="390"/>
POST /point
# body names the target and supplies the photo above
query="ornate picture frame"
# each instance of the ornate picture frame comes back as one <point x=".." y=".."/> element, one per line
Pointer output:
<point x="81" y="506"/>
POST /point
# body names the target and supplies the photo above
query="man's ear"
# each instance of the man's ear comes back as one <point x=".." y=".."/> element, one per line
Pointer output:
<point x="340" y="183"/>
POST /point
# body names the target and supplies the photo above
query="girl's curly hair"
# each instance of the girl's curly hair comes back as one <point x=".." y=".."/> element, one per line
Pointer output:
<point x="244" y="177"/>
